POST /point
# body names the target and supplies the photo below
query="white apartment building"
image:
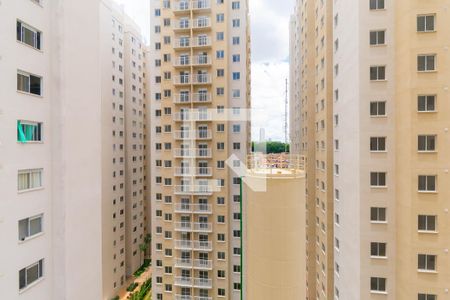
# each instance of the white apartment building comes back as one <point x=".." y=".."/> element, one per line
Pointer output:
<point x="72" y="209"/>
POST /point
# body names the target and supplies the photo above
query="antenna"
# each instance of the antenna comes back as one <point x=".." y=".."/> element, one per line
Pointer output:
<point x="286" y="118"/>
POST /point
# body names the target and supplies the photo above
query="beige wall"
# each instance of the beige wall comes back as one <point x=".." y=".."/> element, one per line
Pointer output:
<point x="274" y="256"/>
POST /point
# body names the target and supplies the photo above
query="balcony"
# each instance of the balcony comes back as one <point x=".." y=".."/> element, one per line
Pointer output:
<point x="183" y="263"/>
<point x="202" y="298"/>
<point x="182" y="25"/>
<point x="201" y="5"/>
<point x="201" y="79"/>
<point x="198" y="172"/>
<point x="202" y="227"/>
<point x="202" y="246"/>
<point x="182" y="44"/>
<point x="183" y="245"/>
<point x="192" y="153"/>
<point x="185" y="116"/>
<point x="193" y="208"/>
<point x="181" y="7"/>
<point x="201" y="190"/>
<point x="183" y="226"/>
<point x="201" y="42"/>
<point x="182" y="80"/>
<point x="183" y="297"/>
<point x="193" y="245"/>
<point x="192" y="134"/>
<point x="201" y="98"/>
<point x="182" y="62"/>
<point x="202" y="60"/>
<point x="183" y="281"/>
<point x="202" y="264"/>
<point x="203" y="283"/>
<point x="201" y="24"/>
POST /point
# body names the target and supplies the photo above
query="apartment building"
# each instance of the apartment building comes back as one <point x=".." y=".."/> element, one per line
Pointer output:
<point x="200" y="90"/>
<point x="311" y="134"/>
<point x="388" y="142"/>
<point x="72" y="148"/>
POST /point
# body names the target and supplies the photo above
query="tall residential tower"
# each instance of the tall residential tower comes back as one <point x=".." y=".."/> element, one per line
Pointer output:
<point x="200" y="91"/>
<point x="389" y="162"/>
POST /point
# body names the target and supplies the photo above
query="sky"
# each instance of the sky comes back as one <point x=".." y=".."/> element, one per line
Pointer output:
<point x="270" y="59"/>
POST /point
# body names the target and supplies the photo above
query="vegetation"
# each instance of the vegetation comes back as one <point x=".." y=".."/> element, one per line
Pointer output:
<point x="143" y="292"/>
<point x="116" y="298"/>
<point x="271" y="147"/>
<point x="144" y="246"/>
<point x="132" y="286"/>
<point x="142" y="268"/>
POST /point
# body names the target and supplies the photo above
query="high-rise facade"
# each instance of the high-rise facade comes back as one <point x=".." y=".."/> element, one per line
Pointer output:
<point x="72" y="169"/>
<point x="388" y="144"/>
<point x="199" y="65"/>
<point x="311" y="134"/>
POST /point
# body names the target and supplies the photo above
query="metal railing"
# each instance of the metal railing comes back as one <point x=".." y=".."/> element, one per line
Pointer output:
<point x="276" y="163"/>
<point x="192" y="153"/>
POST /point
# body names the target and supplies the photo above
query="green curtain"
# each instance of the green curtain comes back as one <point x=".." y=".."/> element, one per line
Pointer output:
<point x="20" y="134"/>
<point x="29" y="132"/>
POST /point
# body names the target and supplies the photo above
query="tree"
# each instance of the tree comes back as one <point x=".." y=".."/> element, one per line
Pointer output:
<point x="271" y="147"/>
<point x="143" y="249"/>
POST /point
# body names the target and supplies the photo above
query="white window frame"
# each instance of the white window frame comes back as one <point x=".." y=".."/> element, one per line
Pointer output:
<point x="28" y="75"/>
<point x="40" y="265"/>
<point x="427" y="141"/>
<point x="377" y="37"/>
<point x="425" y="23"/>
<point x="426" y="228"/>
<point x="29" y="220"/>
<point x="426" y="190"/>
<point x="426" y="257"/>
<point x="426" y="56"/>
<point x="35" y="32"/>
<point x="378" y="139"/>
<point x="30" y="172"/>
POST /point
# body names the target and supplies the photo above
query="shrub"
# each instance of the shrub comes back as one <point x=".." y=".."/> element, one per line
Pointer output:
<point x="131" y="287"/>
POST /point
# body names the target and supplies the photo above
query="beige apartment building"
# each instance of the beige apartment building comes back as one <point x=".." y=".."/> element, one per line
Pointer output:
<point x="389" y="162"/>
<point x="200" y="90"/>
<point x="311" y="92"/>
<point x="72" y="149"/>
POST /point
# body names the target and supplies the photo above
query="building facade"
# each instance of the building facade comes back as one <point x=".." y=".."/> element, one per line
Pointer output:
<point x="388" y="111"/>
<point x="72" y="144"/>
<point x="200" y="90"/>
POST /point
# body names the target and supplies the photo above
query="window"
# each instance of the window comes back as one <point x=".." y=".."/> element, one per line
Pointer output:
<point x="377" y="73"/>
<point x="236" y="23"/>
<point x="426" y="297"/>
<point x="29" y="83"/>
<point x="378" y="108"/>
<point x="426" y="262"/>
<point x="426" y="62"/>
<point x="220" y="36"/>
<point x="426" y="143"/>
<point x="31" y="274"/>
<point x="377" y="144"/>
<point x="427" y="183"/>
<point x="376" y="4"/>
<point x="377" y="37"/>
<point x="425" y="23"/>
<point x="378" y="214"/>
<point x="29" y="35"/>
<point x="220" y="54"/>
<point x="377" y="179"/>
<point x="377" y="284"/>
<point x="235" y="5"/>
<point x="29" y="131"/>
<point x="236" y="75"/>
<point x="29" y="179"/>
<point x="426" y="223"/>
<point x="426" y="103"/>
<point x="378" y="249"/>
<point x="236" y="58"/>
<point x="220" y="18"/>
<point x="29" y="227"/>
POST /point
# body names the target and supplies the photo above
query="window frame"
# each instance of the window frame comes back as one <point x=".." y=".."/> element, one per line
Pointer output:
<point x="37" y="34"/>
<point x="40" y="271"/>
<point x="425" y="23"/>
<point x="426" y="56"/>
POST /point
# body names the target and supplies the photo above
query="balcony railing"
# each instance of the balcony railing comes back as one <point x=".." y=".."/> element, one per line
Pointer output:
<point x="202" y="298"/>
<point x="201" y="23"/>
<point x="201" y="97"/>
<point x="192" y="153"/>
<point x="193" y="208"/>
<point x="203" y="283"/>
<point x="201" y="79"/>
<point x="202" y="264"/>
<point x="184" y="61"/>
<point x="202" y="246"/>
<point x="201" y="42"/>
<point x="183" y="263"/>
<point x="183" y="297"/>
<point x="182" y="79"/>
<point x="192" y="116"/>
<point x="182" y="43"/>
<point x="193" y="245"/>
<point x="192" y="134"/>
<point x="183" y="245"/>
<point x="181" y="6"/>
<point x="193" y="190"/>
<point x="182" y="25"/>
<point x="202" y="60"/>
<point x="183" y="281"/>
<point x="188" y="171"/>
<point x="201" y="4"/>
<point x="202" y="227"/>
<point x="183" y="226"/>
